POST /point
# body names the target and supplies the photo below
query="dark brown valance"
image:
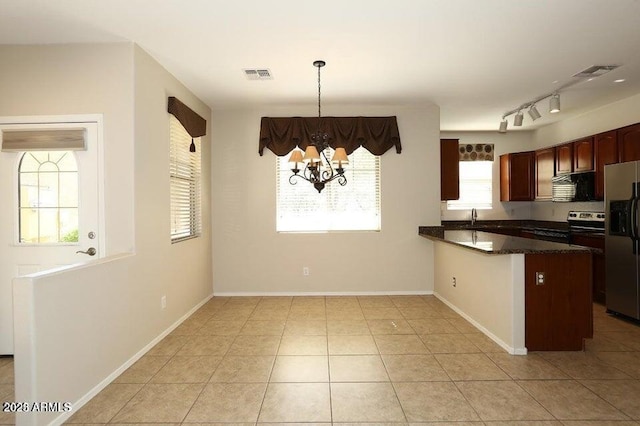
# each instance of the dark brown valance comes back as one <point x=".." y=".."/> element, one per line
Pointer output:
<point x="195" y="125"/>
<point x="376" y="134"/>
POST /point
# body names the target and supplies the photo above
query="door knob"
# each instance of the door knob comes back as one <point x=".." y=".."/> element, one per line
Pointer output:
<point x="90" y="251"/>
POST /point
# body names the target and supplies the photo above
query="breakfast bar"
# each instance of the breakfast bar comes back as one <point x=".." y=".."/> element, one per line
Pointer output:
<point x="525" y="294"/>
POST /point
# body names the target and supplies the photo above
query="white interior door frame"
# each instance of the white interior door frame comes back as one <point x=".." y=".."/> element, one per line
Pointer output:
<point x="94" y="124"/>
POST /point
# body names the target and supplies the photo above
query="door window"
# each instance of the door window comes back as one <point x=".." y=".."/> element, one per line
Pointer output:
<point x="48" y="197"/>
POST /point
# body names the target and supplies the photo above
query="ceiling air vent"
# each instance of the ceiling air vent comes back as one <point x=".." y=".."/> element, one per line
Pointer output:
<point x="258" y="74"/>
<point x="595" y="71"/>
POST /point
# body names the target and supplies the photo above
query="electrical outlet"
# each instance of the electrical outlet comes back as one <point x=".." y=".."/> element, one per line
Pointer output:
<point x="539" y="278"/>
<point x="455" y="283"/>
<point x="163" y="302"/>
<point x="305" y="271"/>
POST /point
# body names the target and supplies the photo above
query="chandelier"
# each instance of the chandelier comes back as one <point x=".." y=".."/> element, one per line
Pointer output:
<point x="317" y="168"/>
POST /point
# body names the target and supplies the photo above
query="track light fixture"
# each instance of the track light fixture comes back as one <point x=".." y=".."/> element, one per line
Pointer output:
<point x="503" y="125"/>
<point x="517" y="119"/>
<point x="534" y="113"/>
<point x="554" y="103"/>
<point x="554" y="97"/>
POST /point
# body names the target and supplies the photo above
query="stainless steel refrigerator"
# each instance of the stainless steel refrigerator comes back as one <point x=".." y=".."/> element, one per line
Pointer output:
<point x="622" y="239"/>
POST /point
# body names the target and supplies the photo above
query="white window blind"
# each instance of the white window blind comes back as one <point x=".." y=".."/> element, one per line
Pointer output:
<point x="354" y="207"/>
<point x="184" y="173"/>
<point x="476" y="184"/>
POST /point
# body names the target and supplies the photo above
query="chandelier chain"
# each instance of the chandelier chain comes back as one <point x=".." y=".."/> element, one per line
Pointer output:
<point x="319" y="112"/>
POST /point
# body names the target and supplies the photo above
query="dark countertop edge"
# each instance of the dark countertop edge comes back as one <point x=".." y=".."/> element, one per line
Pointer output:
<point x="436" y="233"/>
<point x="527" y="224"/>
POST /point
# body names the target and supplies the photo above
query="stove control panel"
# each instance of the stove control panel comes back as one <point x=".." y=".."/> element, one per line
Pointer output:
<point x="585" y="216"/>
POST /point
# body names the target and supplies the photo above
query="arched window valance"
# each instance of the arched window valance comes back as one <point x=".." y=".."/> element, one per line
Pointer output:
<point x="377" y="134"/>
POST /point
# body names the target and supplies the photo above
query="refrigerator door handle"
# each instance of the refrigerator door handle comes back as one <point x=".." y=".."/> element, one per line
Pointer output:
<point x="633" y="216"/>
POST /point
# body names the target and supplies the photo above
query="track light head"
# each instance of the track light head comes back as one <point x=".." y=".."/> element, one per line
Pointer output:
<point x="534" y="113"/>
<point x="517" y="119"/>
<point x="503" y="125"/>
<point x="554" y="104"/>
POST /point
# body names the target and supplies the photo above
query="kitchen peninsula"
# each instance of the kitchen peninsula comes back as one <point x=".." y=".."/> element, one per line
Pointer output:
<point x="525" y="294"/>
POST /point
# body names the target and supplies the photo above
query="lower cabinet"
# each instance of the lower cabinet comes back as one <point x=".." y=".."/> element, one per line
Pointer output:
<point x="599" y="278"/>
<point x="558" y="311"/>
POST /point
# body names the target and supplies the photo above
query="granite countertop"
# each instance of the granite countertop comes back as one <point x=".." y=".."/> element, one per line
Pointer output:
<point x="490" y="243"/>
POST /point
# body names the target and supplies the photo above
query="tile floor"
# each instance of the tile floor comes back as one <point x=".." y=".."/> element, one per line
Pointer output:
<point x="405" y="359"/>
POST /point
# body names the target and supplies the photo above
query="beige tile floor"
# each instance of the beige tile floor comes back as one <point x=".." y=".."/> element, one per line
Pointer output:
<point x="400" y="360"/>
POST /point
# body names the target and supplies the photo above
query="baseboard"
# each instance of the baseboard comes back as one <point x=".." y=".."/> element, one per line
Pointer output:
<point x="490" y="335"/>
<point x="111" y="377"/>
<point x="323" y="293"/>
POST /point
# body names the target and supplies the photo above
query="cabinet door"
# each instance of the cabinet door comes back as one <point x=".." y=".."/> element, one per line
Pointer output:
<point x="583" y="155"/>
<point x="521" y="175"/>
<point x="545" y="161"/>
<point x="564" y="158"/>
<point x="606" y="152"/>
<point x="629" y="143"/>
<point x="449" y="170"/>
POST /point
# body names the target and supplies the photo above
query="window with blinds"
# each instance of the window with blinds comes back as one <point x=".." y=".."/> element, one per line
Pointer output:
<point x="354" y="207"/>
<point x="476" y="185"/>
<point x="184" y="174"/>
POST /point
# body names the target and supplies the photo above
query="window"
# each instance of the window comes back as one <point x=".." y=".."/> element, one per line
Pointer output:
<point x="354" y="207"/>
<point x="184" y="174"/>
<point x="48" y="197"/>
<point x="475" y="186"/>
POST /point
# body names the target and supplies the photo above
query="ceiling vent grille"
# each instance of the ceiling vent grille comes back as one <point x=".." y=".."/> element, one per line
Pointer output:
<point x="595" y="71"/>
<point x="258" y="74"/>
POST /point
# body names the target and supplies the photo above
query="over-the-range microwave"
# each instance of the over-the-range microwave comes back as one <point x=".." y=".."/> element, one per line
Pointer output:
<point x="574" y="187"/>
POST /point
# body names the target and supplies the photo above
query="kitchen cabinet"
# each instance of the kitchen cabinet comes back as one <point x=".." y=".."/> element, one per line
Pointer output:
<point x="599" y="277"/>
<point x="558" y="307"/>
<point x="629" y="143"/>
<point x="564" y="158"/>
<point x="583" y="155"/>
<point x="449" y="170"/>
<point x="517" y="176"/>
<point x="605" y="152"/>
<point x="544" y="171"/>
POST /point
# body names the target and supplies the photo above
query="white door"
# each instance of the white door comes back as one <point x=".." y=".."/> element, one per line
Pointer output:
<point x="49" y="214"/>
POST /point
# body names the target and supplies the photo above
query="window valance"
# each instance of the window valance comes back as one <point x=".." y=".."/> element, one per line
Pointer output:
<point x="476" y="152"/>
<point x="195" y="125"/>
<point x="377" y="134"/>
<point x="44" y="140"/>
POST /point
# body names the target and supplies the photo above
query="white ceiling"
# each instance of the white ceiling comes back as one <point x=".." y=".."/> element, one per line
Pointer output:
<point x="477" y="59"/>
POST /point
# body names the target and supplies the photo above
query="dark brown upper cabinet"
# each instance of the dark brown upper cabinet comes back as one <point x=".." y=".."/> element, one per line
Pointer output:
<point x="583" y="155"/>
<point x="516" y="176"/>
<point x="605" y="152"/>
<point x="629" y="143"/>
<point x="544" y="168"/>
<point x="449" y="170"/>
<point x="564" y="158"/>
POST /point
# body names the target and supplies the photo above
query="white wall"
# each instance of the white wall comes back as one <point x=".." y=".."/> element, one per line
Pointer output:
<point x="249" y="256"/>
<point x="88" y="321"/>
<point x="496" y="280"/>
<point x="503" y="143"/>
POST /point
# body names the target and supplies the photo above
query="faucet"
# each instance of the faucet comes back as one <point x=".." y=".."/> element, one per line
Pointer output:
<point x="474" y="216"/>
